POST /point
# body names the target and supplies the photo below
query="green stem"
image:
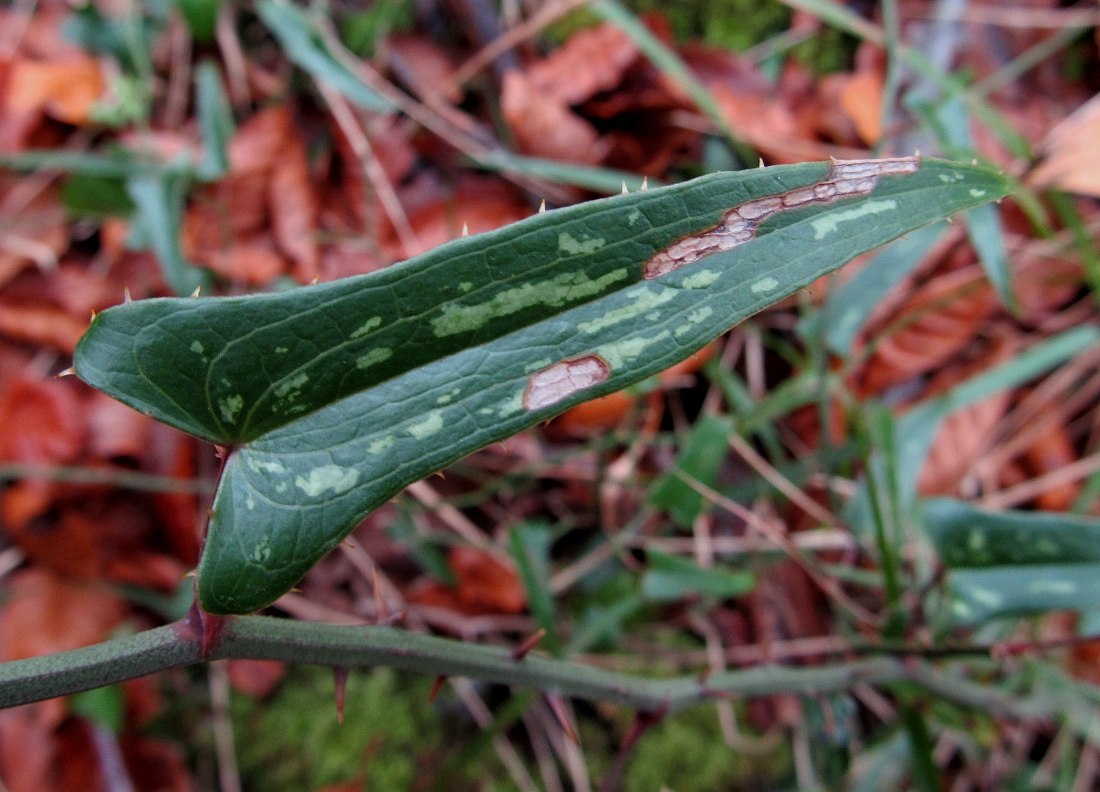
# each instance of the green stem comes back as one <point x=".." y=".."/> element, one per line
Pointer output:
<point x="266" y="638"/>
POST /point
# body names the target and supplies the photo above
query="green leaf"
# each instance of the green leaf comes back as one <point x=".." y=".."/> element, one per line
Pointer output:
<point x="334" y="397"/>
<point x="670" y="578"/>
<point x="302" y="44"/>
<point x="983" y="223"/>
<point x="848" y="308"/>
<point x="201" y="17"/>
<point x="96" y="196"/>
<point x="981" y="594"/>
<point x="700" y="458"/>
<point x="215" y="121"/>
<point x="159" y="200"/>
<point x="969" y="537"/>
<point x="105" y="706"/>
<point x="530" y="547"/>
<point x="1015" y="562"/>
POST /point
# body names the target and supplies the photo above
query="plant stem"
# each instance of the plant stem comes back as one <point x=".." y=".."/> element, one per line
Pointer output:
<point x="266" y="638"/>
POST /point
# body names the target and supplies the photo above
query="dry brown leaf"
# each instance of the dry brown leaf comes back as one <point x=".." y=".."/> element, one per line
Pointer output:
<point x="591" y="61"/>
<point x="172" y="453"/>
<point x="1051" y="451"/>
<point x="595" y="416"/>
<point x="968" y="433"/>
<point x="37" y="234"/>
<point x="44" y="422"/>
<point x="42" y="325"/>
<point x="755" y="116"/>
<point x="544" y="126"/>
<point x="156" y="765"/>
<point x="294" y="209"/>
<point x="861" y="100"/>
<point x="481" y="204"/>
<point x="254" y="260"/>
<point x="485" y="584"/>
<point x="115" y="430"/>
<point x="258" y="142"/>
<point x="28" y="755"/>
<point x="937" y="321"/>
<point x="65" y="89"/>
<point x="1044" y="285"/>
<point x="963" y="437"/>
<point x="424" y="67"/>
<point x="1072" y="153"/>
<point x="43" y="614"/>
<point x="256" y="677"/>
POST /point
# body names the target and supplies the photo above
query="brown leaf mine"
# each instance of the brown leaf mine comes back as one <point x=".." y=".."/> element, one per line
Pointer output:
<point x="846" y="178"/>
<point x="563" y="379"/>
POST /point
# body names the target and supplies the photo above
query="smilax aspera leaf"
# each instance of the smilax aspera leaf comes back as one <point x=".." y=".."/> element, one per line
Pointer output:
<point x="332" y="398"/>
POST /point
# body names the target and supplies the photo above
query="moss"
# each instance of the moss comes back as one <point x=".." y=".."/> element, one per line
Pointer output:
<point x="731" y="24"/>
<point x="294" y="742"/>
<point x="686" y="752"/>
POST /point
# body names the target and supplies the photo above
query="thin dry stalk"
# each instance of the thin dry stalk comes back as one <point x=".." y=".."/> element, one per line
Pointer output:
<point x="229" y="778"/>
<point x="727" y="718"/>
<point x="545" y="16"/>
<point x="779" y="538"/>
<point x="1087" y="769"/>
<point x="820" y="540"/>
<point x="568" y="751"/>
<point x="503" y="747"/>
<point x="179" y="75"/>
<point x="544" y="757"/>
<point x="453" y="518"/>
<point x="1028" y="18"/>
<point x="236" y="67"/>
<point x="781" y="482"/>
<point x="1032" y="488"/>
<point x="443" y="127"/>
<point x="372" y="169"/>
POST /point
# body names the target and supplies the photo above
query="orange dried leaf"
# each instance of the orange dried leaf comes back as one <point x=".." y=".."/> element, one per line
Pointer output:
<point x="1072" y="152"/>
<point x="1051" y="451"/>
<point x="423" y="66"/>
<point x="544" y="125"/>
<point x="966" y="434"/>
<point x="591" y="61"/>
<point x="115" y="430"/>
<point x="294" y="209"/>
<point x="861" y="100"/>
<point x="485" y="584"/>
<point x="65" y="89"/>
<point x="595" y="416"/>
<point x="256" y="677"/>
<point x="44" y="422"/>
<point x="43" y="614"/>
<point x="938" y="320"/>
<point x="41" y="325"/>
